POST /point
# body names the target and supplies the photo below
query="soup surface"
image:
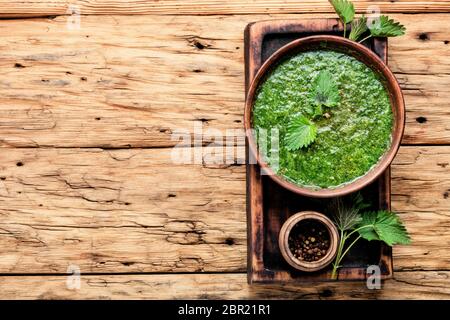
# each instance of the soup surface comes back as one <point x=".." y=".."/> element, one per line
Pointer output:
<point x="351" y="136"/>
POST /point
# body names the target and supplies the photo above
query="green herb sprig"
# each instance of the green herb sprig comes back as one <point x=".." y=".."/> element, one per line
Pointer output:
<point x="325" y="92"/>
<point x="352" y="220"/>
<point x="302" y="131"/>
<point x="381" y="26"/>
<point x="385" y="27"/>
<point x="359" y="27"/>
<point x="345" y="10"/>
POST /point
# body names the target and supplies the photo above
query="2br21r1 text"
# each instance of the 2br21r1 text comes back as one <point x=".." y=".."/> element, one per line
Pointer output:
<point x="225" y="309"/>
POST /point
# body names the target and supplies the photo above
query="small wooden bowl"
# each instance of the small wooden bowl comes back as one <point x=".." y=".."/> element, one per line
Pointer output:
<point x="283" y="241"/>
<point x="370" y="59"/>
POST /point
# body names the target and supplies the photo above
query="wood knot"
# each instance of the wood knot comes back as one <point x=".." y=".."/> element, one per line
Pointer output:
<point x="198" y="43"/>
<point x="443" y="164"/>
<point x="229" y="241"/>
<point x="326" y="293"/>
<point x="421" y="119"/>
<point x="424" y="36"/>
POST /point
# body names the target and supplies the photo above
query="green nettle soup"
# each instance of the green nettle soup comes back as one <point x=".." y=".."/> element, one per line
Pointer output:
<point x="351" y="136"/>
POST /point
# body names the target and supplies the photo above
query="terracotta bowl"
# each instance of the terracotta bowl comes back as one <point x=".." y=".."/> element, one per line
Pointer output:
<point x="283" y="241"/>
<point x="361" y="53"/>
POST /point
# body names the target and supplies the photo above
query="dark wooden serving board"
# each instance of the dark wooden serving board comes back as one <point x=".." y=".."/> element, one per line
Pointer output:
<point x="269" y="205"/>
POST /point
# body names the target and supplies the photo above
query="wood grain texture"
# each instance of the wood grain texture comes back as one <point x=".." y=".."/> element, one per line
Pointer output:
<point x="118" y="211"/>
<point x="136" y="211"/>
<point x="132" y="82"/>
<point x="204" y="7"/>
<point x="406" y="285"/>
<point x="421" y="196"/>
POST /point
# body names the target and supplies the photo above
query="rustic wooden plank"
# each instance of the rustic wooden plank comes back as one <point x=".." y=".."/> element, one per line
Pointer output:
<point x="100" y="86"/>
<point x="205" y="7"/>
<point x="420" y="193"/>
<point x="406" y="285"/>
<point x="135" y="211"/>
<point x="78" y="88"/>
<point x="122" y="210"/>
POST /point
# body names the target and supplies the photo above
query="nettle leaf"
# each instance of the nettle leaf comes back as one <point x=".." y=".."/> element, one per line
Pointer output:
<point x="385" y="27"/>
<point x="359" y="202"/>
<point x="326" y="92"/>
<point x="344" y="9"/>
<point x="345" y="217"/>
<point x="358" y="28"/>
<point x="301" y="132"/>
<point x="368" y="219"/>
<point x="384" y="226"/>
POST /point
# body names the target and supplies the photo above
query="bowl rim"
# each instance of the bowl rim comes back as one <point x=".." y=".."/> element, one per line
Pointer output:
<point x="286" y="229"/>
<point x="377" y="65"/>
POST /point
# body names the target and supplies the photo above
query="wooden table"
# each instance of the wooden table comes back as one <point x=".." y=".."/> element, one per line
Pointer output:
<point x="86" y="123"/>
